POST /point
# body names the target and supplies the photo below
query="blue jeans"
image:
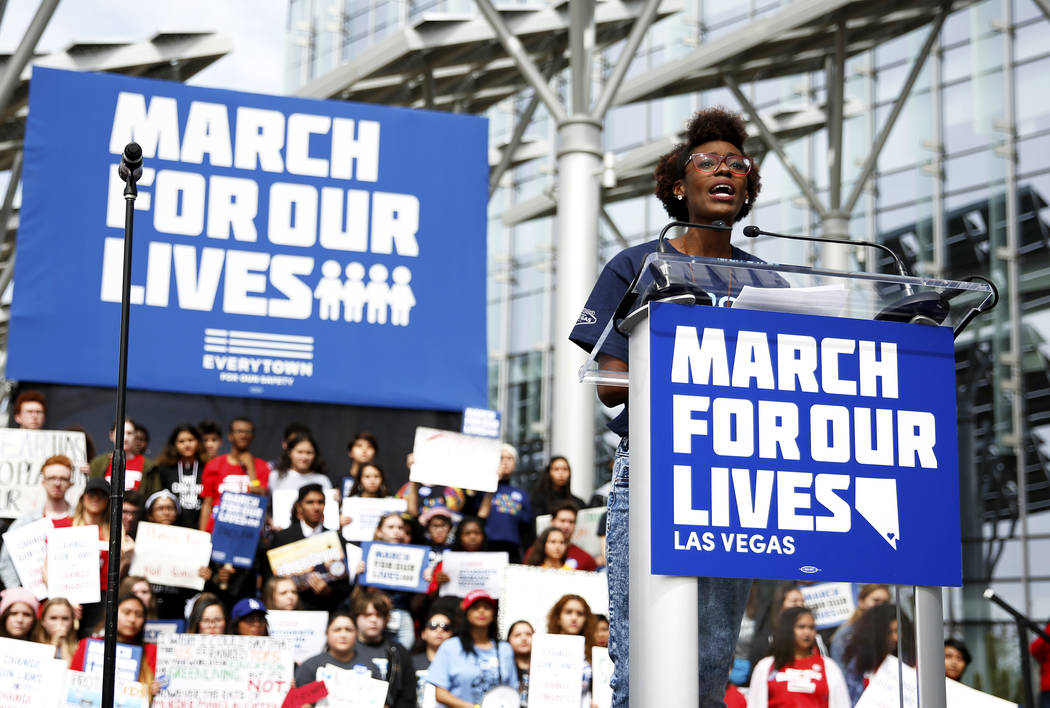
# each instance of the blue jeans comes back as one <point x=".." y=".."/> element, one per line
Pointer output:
<point x="721" y="604"/>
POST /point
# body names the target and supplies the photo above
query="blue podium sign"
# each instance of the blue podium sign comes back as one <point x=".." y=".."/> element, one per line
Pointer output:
<point x="284" y="248"/>
<point x="802" y="447"/>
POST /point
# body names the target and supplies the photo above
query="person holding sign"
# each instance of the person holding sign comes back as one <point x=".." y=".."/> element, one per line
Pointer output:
<point x="875" y="638"/>
<point x="208" y="615"/>
<point x="170" y="602"/>
<point x="56" y="628"/>
<point x="300" y="464"/>
<point x="56" y="474"/>
<point x="553" y="487"/>
<point x="572" y="615"/>
<point x="796" y="675"/>
<point x="18" y="608"/>
<point x="519" y="636"/>
<point x="92" y="509"/>
<point x="236" y="471"/>
<point x="475" y="661"/>
<point x="869" y="595"/>
<point x="371" y="612"/>
<point x="341" y="637"/>
<point x="131" y="630"/>
<point x="370" y="483"/>
<point x="506" y="511"/>
<point x="707" y="178"/>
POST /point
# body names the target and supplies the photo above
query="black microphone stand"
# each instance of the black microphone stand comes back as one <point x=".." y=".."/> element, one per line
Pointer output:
<point x="130" y="171"/>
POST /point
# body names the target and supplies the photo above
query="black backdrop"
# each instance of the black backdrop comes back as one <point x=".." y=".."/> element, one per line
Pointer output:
<point x="332" y="425"/>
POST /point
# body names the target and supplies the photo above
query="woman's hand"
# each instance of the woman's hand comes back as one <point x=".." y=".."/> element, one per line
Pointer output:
<point x="345" y="520"/>
<point x="205" y="573"/>
<point x="317" y="584"/>
<point x="225" y="573"/>
<point x="442" y="577"/>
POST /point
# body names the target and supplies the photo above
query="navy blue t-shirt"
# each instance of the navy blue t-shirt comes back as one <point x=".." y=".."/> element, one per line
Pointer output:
<point x="613" y="282"/>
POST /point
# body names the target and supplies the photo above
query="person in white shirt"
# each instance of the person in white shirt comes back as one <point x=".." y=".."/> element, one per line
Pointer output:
<point x="56" y="475"/>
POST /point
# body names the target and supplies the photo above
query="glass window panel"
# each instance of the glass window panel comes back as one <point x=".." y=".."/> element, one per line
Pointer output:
<point x="1033" y="100"/>
<point x="622" y="127"/>
<point x="970" y="111"/>
<point x="956" y="63"/>
<point x="975" y="170"/>
<point x="1030" y="40"/>
<point x="901" y="187"/>
<point x="913" y="128"/>
<point x="526" y="316"/>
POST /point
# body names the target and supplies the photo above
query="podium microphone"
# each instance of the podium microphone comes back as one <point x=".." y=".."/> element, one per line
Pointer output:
<point x="752" y="231"/>
<point x="130" y="169"/>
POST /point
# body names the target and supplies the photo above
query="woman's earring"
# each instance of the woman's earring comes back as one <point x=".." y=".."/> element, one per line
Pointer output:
<point x="679" y="197"/>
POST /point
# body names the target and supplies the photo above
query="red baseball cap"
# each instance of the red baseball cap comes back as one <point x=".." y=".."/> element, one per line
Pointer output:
<point x="475" y="595"/>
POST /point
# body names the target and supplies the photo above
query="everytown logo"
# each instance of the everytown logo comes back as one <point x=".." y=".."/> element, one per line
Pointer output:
<point x="715" y="427"/>
<point x="258" y="357"/>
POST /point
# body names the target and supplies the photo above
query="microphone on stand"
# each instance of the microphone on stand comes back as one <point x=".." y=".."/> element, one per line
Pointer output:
<point x="130" y="169"/>
<point x="924" y="308"/>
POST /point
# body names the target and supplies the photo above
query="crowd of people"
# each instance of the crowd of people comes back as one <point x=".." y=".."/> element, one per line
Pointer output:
<point x="410" y="640"/>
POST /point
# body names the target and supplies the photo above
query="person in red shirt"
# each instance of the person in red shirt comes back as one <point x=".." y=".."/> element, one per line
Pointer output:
<point x="564" y="519"/>
<point x="131" y="627"/>
<point x="1040" y="649"/>
<point x="796" y="675"/>
<point x="56" y="476"/>
<point x="236" y="471"/>
<point x="139" y="471"/>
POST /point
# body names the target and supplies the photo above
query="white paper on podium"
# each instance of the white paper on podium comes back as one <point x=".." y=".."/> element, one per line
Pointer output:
<point x="828" y="300"/>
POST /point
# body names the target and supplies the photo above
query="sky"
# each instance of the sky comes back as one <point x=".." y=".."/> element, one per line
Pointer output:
<point x="255" y="27"/>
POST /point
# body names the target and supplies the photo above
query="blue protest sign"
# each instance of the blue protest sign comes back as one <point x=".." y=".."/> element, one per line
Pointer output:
<point x="395" y="566"/>
<point x="155" y="628"/>
<point x="235" y="537"/>
<point x="796" y="446"/>
<point x="483" y="422"/>
<point x="284" y="248"/>
<point x="129" y="659"/>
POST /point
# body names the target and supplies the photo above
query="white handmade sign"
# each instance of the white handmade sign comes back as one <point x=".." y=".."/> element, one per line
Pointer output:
<point x="305" y="630"/>
<point x="22" y="452"/>
<point x="365" y="515"/>
<point x="30" y="675"/>
<point x="222" y="671"/>
<point x="455" y="460"/>
<point x="556" y="670"/>
<point x="28" y="550"/>
<point x="473" y="571"/>
<point x="73" y="570"/>
<point x="171" y="555"/>
<point x="351" y="689"/>
<point x="883" y="692"/>
<point x="602" y="668"/>
<point x="85" y="691"/>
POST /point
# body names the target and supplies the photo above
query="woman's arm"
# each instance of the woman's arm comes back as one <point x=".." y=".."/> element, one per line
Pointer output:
<point x="611" y="395"/>
<point x="206" y="504"/>
<point x="445" y="698"/>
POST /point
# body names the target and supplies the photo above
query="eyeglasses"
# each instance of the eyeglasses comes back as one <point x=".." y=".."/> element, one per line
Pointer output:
<point x="711" y="161"/>
<point x="58" y="480"/>
<point x="212" y="621"/>
<point x="444" y="626"/>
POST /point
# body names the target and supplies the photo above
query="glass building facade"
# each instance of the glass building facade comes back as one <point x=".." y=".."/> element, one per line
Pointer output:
<point x="960" y="188"/>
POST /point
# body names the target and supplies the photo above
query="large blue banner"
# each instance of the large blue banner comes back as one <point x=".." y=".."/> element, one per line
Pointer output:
<point x="284" y="248"/>
<point x="795" y="446"/>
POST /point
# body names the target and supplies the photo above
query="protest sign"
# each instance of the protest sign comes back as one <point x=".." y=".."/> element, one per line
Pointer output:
<point x="155" y="628"/>
<point x="556" y="670"/>
<point x="832" y="603"/>
<point x="171" y="555"/>
<point x="529" y="593"/>
<point x="455" y="460"/>
<point x="473" y="571"/>
<point x="22" y="452"/>
<point x="481" y="421"/>
<point x="73" y="564"/>
<point x="222" y="671"/>
<point x="602" y="671"/>
<point x="354" y="555"/>
<point x="309" y="694"/>
<point x="365" y="514"/>
<point x="30" y="675"/>
<point x="395" y="566"/>
<point x="304" y="630"/>
<point x="283" y="500"/>
<point x="883" y="690"/>
<point x="83" y="690"/>
<point x="586" y="534"/>
<point x="348" y="688"/>
<point x="28" y="552"/>
<point x="129" y="659"/>
<point x="235" y="537"/>
<point x="321" y="554"/>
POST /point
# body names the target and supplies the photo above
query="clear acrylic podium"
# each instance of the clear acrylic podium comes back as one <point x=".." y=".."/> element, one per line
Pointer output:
<point x="659" y="602"/>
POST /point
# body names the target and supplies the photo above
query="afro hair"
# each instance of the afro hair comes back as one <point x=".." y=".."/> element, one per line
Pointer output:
<point x="709" y="124"/>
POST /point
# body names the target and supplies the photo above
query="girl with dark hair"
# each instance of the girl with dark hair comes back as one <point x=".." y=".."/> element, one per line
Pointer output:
<point x="519" y="636"/>
<point x="300" y="464"/>
<point x="550" y="550"/>
<point x="553" y="487"/>
<point x="361" y="450"/>
<point x="956" y="658"/>
<point x="874" y="638"/>
<point x="208" y="615"/>
<point x="339" y="651"/>
<point x="165" y="602"/>
<point x="868" y="596"/>
<point x="796" y="675"/>
<point x="706" y="179"/>
<point x="131" y="629"/>
<point x="370" y="483"/>
<point x="180" y="466"/>
<point x="474" y="662"/>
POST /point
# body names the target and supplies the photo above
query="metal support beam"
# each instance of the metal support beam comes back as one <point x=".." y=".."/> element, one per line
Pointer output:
<point x="773" y="144"/>
<point x="515" y="142"/>
<point x="898" y="105"/>
<point x="835" y="76"/>
<point x="12" y="75"/>
<point x="929" y="645"/>
<point x="1043" y="5"/>
<point x="581" y="52"/>
<point x="5" y="215"/>
<point x="611" y="225"/>
<point x="634" y="40"/>
<point x="513" y="47"/>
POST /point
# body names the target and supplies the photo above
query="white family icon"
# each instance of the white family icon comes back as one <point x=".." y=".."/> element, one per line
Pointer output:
<point x="365" y="301"/>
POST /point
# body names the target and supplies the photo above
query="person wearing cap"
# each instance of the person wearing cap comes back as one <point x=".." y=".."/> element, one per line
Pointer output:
<point x="507" y="513"/>
<point x="18" y="608"/>
<point x="475" y="661"/>
<point x="308" y="520"/>
<point x="371" y="612"/>
<point x="92" y="509"/>
<point x="248" y="618"/>
<point x="437" y="522"/>
<point x="56" y="475"/>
